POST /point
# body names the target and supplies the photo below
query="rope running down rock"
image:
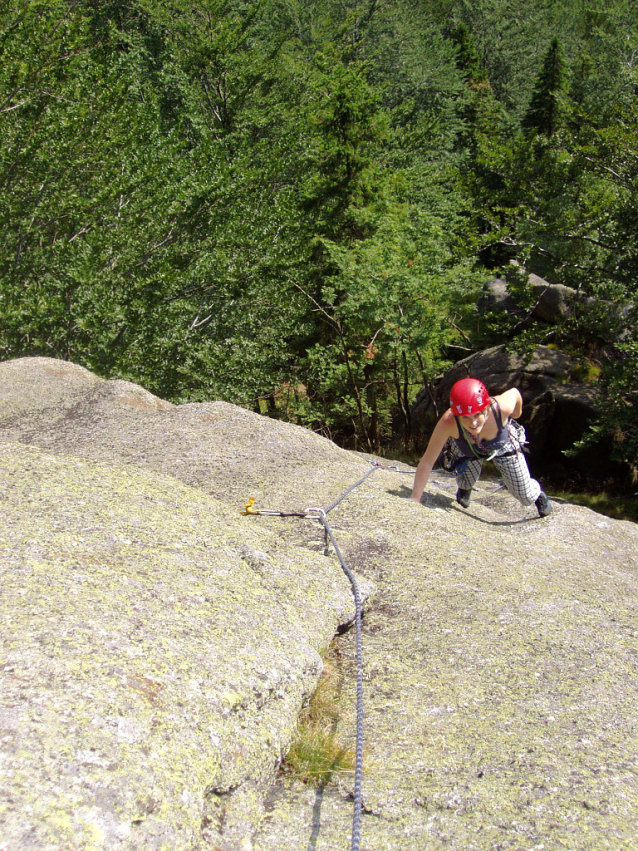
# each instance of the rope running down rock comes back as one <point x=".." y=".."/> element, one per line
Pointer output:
<point x="320" y="514"/>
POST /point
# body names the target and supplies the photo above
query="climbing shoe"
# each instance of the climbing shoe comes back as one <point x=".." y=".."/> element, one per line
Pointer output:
<point x="543" y="505"/>
<point x="463" y="497"/>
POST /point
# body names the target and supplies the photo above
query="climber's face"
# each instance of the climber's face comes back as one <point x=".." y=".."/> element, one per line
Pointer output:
<point x="474" y="422"/>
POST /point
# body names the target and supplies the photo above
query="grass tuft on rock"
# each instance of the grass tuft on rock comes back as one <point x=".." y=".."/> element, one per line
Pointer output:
<point x="617" y="507"/>
<point x="317" y="754"/>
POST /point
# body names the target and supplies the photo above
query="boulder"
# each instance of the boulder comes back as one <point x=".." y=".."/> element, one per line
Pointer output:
<point x="496" y="296"/>
<point x="156" y="645"/>
<point x="557" y="410"/>
<point x="553" y="302"/>
<point x="534" y="374"/>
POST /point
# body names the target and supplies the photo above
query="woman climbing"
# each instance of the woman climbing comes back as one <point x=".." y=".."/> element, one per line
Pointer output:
<point x="481" y="429"/>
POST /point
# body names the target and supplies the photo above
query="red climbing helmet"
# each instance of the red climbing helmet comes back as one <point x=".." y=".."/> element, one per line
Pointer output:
<point x="468" y="396"/>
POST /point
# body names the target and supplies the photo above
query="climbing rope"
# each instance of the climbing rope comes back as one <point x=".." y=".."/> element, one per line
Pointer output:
<point x="320" y="514"/>
<point x="358" y="764"/>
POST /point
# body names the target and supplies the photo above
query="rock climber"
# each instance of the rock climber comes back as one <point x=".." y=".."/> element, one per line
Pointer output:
<point x="479" y="428"/>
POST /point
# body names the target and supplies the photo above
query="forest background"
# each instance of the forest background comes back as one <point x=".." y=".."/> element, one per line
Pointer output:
<point x="293" y="204"/>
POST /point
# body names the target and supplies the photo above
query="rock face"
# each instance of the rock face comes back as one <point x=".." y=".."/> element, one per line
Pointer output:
<point x="554" y="302"/>
<point x="157" y="645"/>
<point x="556" y="410"/>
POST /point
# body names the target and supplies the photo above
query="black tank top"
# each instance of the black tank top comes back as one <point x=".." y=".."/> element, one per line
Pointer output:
<point x="487" y="447"/>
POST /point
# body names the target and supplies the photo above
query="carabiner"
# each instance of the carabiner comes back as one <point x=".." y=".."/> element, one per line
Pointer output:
<point x="315" y="513"/>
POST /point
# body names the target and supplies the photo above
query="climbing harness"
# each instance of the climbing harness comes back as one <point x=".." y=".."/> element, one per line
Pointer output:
<point x="320" y="515"/>
<point x="517" y="438"/>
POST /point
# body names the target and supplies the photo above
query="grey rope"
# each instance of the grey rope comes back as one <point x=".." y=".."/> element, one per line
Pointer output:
<point x="350" y="489"/>
<point x="358" y="769"/>
<point x="320" y="514"/>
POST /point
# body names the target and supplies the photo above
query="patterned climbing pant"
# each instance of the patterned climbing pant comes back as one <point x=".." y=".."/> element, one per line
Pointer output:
<point x="513" y="469"/>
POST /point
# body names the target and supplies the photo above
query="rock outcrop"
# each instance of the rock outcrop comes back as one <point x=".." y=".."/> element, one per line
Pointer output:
<point x="556" y="413"/>
<point x="554" y="302"/>
<point x="156" y="645"/>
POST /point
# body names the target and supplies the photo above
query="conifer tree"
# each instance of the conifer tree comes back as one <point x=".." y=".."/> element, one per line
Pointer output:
<point x="546" y="107"/>
<point x="468" y="59"/>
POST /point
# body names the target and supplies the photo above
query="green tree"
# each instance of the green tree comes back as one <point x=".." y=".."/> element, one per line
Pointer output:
<point x="564" y="205"/>
<point x="384" y="280"/>
<point x="143" y="225"/>
<point x="468" y="59"/>
<point x="547" y="107"/>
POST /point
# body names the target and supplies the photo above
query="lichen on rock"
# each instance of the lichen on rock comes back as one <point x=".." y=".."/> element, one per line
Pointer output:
<point x="157" y="646"/>
<point x="145" y="664"/>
